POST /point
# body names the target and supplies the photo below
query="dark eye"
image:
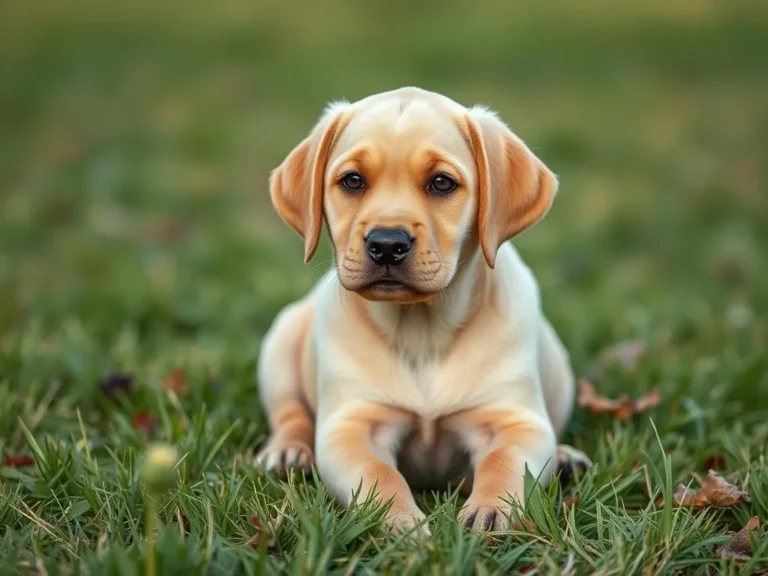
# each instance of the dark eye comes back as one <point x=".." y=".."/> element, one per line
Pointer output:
<point x="441" y="184"/>
<point x="352" y="181"/>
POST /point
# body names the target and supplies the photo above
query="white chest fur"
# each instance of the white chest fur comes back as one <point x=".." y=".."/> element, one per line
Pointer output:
<point x="433" y="359"/>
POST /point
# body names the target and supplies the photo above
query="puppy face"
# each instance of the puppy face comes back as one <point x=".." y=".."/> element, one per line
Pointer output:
<point x="409" y="183"/>
<point x="400" y="198"/>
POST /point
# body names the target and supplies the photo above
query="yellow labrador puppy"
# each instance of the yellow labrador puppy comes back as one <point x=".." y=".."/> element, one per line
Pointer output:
<point x="423" y="358"/>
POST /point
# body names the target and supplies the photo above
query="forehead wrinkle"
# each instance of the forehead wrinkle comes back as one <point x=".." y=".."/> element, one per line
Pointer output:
<point x="435" y="156"/>
<point x="397" y="116"/>
<point x="392" y="132"/>
<point x="358" y="156"/>
<point x="410" y="113"/>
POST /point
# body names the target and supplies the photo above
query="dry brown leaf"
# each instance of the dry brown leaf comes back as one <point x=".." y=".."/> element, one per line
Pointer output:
<point x="683" y="497"/>
<point x="647" y="401"/>
<point x="715" y="492"/>
<point x="622" y="408"/>
<point x="176" y="382"/>
<point x="261" y="536"/>
<point x="590" y="399"/>
<point x="738" y="546"/>
<point x="625" y="409"/>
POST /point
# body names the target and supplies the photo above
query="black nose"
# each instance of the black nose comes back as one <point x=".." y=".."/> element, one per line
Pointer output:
<point x="388" y="247"/>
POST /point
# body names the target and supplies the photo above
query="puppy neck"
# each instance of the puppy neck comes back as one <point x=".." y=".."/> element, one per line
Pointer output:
<point x="425" y="330"/>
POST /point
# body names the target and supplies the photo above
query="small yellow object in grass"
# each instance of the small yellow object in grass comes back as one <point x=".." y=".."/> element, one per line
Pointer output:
<point x="159" y="472"/>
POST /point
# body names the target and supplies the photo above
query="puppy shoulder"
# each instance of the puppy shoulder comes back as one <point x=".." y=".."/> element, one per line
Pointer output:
<point x="519" y="284"/>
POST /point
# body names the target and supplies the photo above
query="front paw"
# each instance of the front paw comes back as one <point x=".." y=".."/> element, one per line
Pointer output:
<point x="485" y="515"/>
<point x="280" y="456"/>
<point x="409" y="520"/>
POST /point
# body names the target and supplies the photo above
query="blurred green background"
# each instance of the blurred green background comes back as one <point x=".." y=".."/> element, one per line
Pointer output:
<point x="136" y="141"/>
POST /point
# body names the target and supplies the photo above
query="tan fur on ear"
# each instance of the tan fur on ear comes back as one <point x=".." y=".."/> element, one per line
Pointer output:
<point x="515" y="188"/>
<point x="296" y="186"/>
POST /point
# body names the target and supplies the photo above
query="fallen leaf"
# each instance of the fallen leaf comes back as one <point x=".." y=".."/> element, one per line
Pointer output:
<point x="622" y="408"/>
<point x="113" y="383"/>
<point x="176" y="382"/>
<point x="18" y="460"/>
<point x="738" y="546"/>
<point x="143" y="420"/>
<point x="588" y="398"/>
<point x="261" y="536"/>
<point x="683" y="496"/>
<point x="647" y="401"/>
<point x="625" y="410"/>
<point x="715" y="492"/>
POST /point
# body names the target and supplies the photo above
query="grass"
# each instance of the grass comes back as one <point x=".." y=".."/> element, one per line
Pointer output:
<point x="137" y="238"/>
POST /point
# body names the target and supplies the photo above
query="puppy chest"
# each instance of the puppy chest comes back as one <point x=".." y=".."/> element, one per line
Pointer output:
<point x="431" y="390"/>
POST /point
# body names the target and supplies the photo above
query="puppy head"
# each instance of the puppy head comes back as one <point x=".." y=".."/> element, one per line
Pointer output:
<point x="410" y="183"/>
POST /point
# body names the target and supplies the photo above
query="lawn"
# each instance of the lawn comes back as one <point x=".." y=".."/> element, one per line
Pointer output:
<point x="141" y="262"/>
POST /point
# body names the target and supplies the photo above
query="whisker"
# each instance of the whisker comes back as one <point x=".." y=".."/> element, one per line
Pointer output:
<point x="323" y="263"/>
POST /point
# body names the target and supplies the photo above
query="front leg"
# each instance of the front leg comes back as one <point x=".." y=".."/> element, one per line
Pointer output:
<point x="356" y="450"/>
<point x="283" y="394"/>
<point x="290" y="442"/>
<point x="502" y="442"/>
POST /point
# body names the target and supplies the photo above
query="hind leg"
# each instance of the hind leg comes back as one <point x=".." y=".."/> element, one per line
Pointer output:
<point x="559" y="392"/>
<point x="281" y="376"/>
<point x="569" y="461"/>
<point x="557" y="378"/>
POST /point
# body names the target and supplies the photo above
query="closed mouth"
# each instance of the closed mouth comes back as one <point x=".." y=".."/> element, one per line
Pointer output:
<point x="387" y="284"/>
<point x="390" y="289"/>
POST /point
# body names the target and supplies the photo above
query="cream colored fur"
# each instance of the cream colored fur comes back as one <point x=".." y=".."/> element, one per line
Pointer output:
<point x="456" y="378"/>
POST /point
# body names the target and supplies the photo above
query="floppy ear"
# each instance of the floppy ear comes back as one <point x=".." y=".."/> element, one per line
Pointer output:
<point x="515" y="188"/>
<point x="296" y="186"/>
